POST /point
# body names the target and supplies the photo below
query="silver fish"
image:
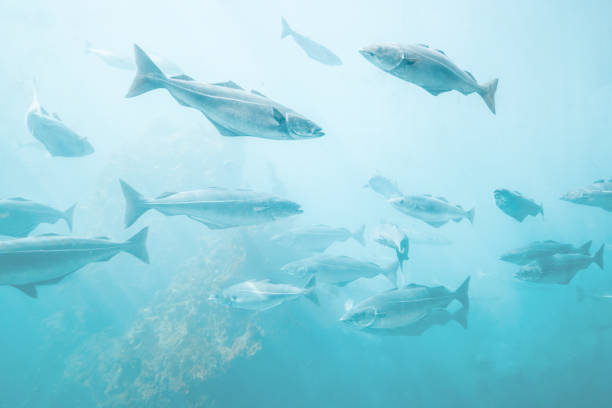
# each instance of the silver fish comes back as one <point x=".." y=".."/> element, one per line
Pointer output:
<point x="516" y="205"/>
<point x="217" y="208"/>
<point x="312" y="48"/>
<point x="231" y="109"/>
<point x="428" y="68"/>
<point x="392" y="236"/>
<point x="58" y="139"/>
<point x="339" y="270"/>
<point x="123" y="62"/>
<point x="26" y="263"/>
<point x="19" y="217"/>
<point x="384" y="186"/>
<point x="317" y="238"/>
<point x="401" y="308"/>
<point x="435" y="211"/>
<point x="263" y="295"/>
<point x="598" y="194"/>
<point x="543" y="249"/>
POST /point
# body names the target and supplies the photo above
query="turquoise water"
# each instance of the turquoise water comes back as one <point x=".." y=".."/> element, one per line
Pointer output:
<point x="124" y="333"/>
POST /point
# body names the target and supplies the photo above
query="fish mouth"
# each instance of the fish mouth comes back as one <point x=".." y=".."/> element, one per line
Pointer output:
<point x="318" y="133"/>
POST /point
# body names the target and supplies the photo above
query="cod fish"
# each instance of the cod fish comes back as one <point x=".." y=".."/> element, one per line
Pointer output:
<point x="263" y="295"/>
<point x="384" y="186"/>
<point x="312" y="48"/>
<point x="391" y="236"/>
<point x="516" y="205"/>
<point x="317" y="238"/>
<point x="428" y="68"/>
<point x="543" y="249"/>
<point x="217" y="208"/>
<point x="435" y="211"/>
<point x="52" y="132"/>
<point x="339" y="270"/>
<point x="26" y="263"/>
<point x="598" y="194"/>
<point x="409" y="308"/>
<point x="122" y="62"/>
<point x="19" y="217"/>
<point x="558" y="268"/>
<point x="231" y="109"/>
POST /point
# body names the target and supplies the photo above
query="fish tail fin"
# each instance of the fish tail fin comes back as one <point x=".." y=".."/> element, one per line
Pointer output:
<point x="68" y="216"/>
<point x="358" y="235"/>
<point x="460" y="316"/>
<point x="391" y="272"/>
<point x="598" y="257"/>
<point x="542" y="209"/>
<point x="137" y="245"/>
<point x="586" y="248"/>
<point x="286" y="29"/>
<point x="470" y="215"/>
<point x="579" y="293"/>
<point x="402" y="254"/>
<point x="462" y="293"/>
<point x="135" y="204"/>
<point x="148" y="75"/>
<point x="487" y="92"/>
<point x="309" y="291"/>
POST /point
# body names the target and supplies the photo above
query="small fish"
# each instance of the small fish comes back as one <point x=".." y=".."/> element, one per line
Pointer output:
<point x="543" y="249"/>
<point x="58" y="139"/>
<point x="558" y="268"/>
<point x="404" y="308"/>
<point x="312" y="48"/>
<point x="516" y="205"/>
<point x="339" y="270"/>
<point x="598" y="194"/>
<point x="317" y="238"/>
<point x="231" y="109"/>
<point x="391" y="236"/>
<point x="26" y="263"/>
<point x="217" y="208"/>
<point x="384" y="186"/>
<point x="263" y="295"/>
<point x="435" y="211"/>
<point x="428" y="68"/>
<point x="19" y="217"/>
<point x="122" y="62"/>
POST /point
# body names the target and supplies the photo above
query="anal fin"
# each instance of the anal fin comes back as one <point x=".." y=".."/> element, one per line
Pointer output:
<point x="29" y="290"/>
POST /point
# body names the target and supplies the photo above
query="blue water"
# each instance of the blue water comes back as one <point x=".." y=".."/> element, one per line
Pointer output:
<point x="123" y="333"/>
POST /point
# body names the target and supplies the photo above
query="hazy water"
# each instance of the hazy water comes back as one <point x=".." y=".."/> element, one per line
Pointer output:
<point x="123" y="333"/>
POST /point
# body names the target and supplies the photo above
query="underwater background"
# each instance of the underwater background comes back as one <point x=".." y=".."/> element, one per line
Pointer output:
<point x="123" y="333"/>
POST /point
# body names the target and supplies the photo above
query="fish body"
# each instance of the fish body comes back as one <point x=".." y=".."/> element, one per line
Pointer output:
<point x="317" y="238"/>
<point x="516" y="205"/>
<point x="312" y="48"/>
<point x="435" y="211"/>
<point x="598" y="194"/>
<point x="543" y="249"/>
<point x="19" y="217"/>
<point x="384" y="186"/>
<point x="391" y="236"/>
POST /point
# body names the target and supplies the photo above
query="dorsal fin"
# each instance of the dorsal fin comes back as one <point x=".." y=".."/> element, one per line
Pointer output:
<point x="183" y="77"/>
<point x="43" y="110"/>
<point x="165" y="194"/>
<point x="441" y="52"/>
<point x="442" y="199"/>
<point x="470" y="75"/>
<point x="56" y="116"/>
<point x="599" y="181"/>
<point x="229" y="84"/>
<point x="258" y="93"/>
<point x="102" y="237"/>
<point x="18" y="199"/>
<point x="423" y="45"/>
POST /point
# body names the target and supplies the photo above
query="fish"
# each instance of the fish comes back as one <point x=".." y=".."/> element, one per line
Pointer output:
<point x="435" y="211"/>
<point x="126" y="63"/>
<point x="19" y="216"/>
<point x="392" y="236"/>
<point x="384" y="186"/>
<point x="543" y="249"/>
<point x="339" y="270"/>
<point x="232" y="110"/>
<point x="317" y="238"/>
<point x="263" y="295"/>
<point x="403" y="308"/>
<point x="312" y="48"/>
<point x="558" y="268"/>
<point x="429" y="69"/>
<point x="215" y="207"/>
<point x="54" y="134"/>
<point x="598" y="194"/>
<point x="516" y="205"/>
<point x="26" y="263"/>
<point x="581" y="295"/>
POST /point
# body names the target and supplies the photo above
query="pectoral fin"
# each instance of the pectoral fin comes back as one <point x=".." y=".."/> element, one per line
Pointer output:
<point x="29" y="290"/>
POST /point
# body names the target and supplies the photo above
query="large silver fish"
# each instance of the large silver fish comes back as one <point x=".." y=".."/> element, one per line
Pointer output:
<point x="58" y="139"/>
<point x="428" y="68"/>
<point x="26" y="263"/>
<point x="312" y="48"/>
<point x="598" y="194"/>
<point x="19" y="217"/>
<point x="403" y="308"/>
<point x="122" y="62"/>
<point x="317" y="238"/>
<point x="384" y="186"/>
<point x="217" y="208"/>
<point x="231" y="109"/>
<point x="263" y="295"/>
<point x="559" y="268"/>
<point x="435" y="211"/>
<point x="392" y="236"/>
<point x="339" y="270"/>
<point x="543" y="249"/>
<point x="516" y="205"/>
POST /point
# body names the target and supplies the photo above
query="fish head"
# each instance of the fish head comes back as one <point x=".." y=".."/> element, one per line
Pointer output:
<point x="385" y="56"/>
<point x="404" y="204"/>
<point x="283" y="208"/>
<point x="85" y="148"/>
<point x="299" y="127"/>
<point x="531" y="272"/>
<point x="360" y="317"/>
